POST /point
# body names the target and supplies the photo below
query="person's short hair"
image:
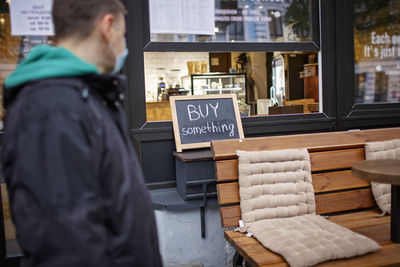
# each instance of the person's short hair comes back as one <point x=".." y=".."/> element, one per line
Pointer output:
<point x="78" y="17"/>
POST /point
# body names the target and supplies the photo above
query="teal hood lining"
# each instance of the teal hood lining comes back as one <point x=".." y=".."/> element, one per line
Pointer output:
<point x="46" y="61"/>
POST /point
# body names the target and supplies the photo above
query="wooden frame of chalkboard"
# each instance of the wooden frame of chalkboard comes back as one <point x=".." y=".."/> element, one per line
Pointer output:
<point x="197" y="120"/>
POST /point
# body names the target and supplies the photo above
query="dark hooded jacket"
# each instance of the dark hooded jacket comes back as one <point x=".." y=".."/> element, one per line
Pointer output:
<point x="76" y="189"/>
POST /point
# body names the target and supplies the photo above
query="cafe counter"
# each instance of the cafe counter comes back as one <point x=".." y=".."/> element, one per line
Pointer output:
<point x="158" y="111"/>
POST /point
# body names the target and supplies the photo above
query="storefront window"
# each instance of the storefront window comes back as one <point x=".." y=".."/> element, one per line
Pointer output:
<point x="230" y="20"/>
<point x="266" y="83"/>
<point x="377" y="51"/>
<point x="13" y="49"/>
<point x="9" y="53"/>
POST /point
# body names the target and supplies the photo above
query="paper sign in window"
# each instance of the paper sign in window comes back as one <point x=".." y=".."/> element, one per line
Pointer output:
<point x="182" y="17"/>
<point x="31" y="17"/>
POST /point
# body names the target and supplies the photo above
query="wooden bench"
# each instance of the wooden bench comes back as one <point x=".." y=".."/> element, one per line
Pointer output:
<point x="347" y="199"/>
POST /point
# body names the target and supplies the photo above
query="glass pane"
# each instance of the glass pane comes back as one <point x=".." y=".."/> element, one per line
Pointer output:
<point x="377" y="51"/>
<point x="265" y="83"/>
<point x="247" y="21"/>
<point x="9" y="57"/>
<point x="13" y="49"/>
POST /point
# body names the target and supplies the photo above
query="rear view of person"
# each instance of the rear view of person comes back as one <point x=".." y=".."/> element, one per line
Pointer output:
<point x="77" y="194"/>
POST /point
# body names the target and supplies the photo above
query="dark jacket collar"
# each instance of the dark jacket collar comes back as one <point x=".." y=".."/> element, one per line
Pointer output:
<point x="110" y="87"/>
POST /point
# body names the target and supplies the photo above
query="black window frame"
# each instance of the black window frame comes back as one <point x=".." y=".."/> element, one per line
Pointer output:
<point x="138" y="38"/>
<point x="139" y="28"/>
<point x="352" y="115"/>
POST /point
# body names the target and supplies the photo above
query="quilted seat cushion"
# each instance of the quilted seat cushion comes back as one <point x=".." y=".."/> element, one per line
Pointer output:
<point x="275" y="184"/>
<point x="382" y="150"/>
<point x="278" y="208"/>
<point x="310" y="239"/>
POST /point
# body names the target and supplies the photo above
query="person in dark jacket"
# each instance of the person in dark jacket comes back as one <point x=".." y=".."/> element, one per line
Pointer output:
<point x="77" y="193"/>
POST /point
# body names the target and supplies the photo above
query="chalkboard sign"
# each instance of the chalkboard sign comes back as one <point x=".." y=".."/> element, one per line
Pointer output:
<point x="197" y="120"/>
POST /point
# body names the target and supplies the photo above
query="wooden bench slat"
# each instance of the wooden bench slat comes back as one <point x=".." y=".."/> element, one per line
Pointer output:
<point x="338" y="159"/>
<point x="251" y="249"/>
<point x="360" y="219"/>
<point x="387" y="255"/>
<point x="228" y="193"/>
<point x="230" y="216"/>
<point x="333" y="181"/>
<point x="227" y="170"/>
<point x="344" y="201"/>
<point x="379" y="233"/>
<point x="256" y="254"/>
<point x="266" y="258"/>
<point x="226" y="149"/>
<point x="329" y="203"/>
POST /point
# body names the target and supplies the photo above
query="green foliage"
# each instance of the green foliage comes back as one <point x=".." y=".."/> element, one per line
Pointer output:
<point x="373" y="13"/>
<point x="298" y="14"/>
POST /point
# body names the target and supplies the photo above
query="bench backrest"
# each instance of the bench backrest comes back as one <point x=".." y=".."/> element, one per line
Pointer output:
<point x="332" y="155"/>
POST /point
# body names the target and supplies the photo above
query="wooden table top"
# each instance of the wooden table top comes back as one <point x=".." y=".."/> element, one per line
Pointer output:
<point x="381" y="171"/>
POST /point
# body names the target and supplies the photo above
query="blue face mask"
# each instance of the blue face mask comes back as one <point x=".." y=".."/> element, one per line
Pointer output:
<point x="119" y="59"/>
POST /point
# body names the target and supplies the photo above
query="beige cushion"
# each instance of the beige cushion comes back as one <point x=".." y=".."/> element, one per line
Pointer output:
<point x="275" y="188"/>
<point x="310" y="239"/>
<point x="382" y="150"/>
<point x="275" y="184"/>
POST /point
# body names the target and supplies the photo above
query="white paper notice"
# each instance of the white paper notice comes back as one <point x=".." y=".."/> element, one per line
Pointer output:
<point x="166" y="16"/>
<point x="182" y="17"/>
<point x="31" y="17"/>
<point x="199" y="16"/>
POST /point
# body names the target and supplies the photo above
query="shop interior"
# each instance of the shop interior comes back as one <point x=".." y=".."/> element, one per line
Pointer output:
<point x="270" y="83"/>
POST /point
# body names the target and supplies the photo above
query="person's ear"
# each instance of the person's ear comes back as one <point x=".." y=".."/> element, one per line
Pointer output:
<point x="105" y="25"/>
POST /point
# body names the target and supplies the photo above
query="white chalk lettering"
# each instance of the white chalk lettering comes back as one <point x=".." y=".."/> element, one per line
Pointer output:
<point x="192" y="110"/>
<point x="210" y="127"/>
<point x="232" y="128"/>
<point x="201" y="112"/>
<point x="215" y="109"/>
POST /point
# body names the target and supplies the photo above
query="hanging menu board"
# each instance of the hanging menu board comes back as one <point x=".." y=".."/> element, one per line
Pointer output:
<point x="182" y="17"/>
<point x="198" y="120"/>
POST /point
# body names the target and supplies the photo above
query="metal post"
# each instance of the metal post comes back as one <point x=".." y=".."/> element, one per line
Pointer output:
<point x="202" y="211"/>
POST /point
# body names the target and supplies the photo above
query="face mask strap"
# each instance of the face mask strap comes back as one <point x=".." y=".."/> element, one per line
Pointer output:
<point x="119" y="59"/>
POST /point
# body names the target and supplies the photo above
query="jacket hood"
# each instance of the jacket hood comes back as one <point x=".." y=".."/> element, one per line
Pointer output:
<point x="45" y="62"/>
